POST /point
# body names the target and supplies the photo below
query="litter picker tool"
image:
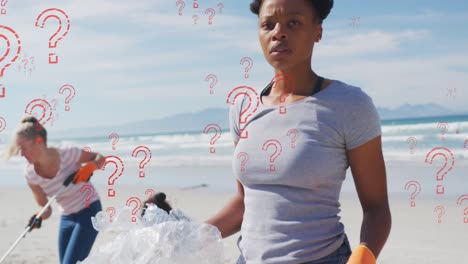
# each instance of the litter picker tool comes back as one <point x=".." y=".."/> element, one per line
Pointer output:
<point x="29" y="227"/>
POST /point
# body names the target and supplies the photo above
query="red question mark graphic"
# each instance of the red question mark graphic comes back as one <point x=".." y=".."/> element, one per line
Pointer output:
<point x="195" y="4"/>
<point x="416" y="191"/>
<point x="212" y="13"/>
<point x="445" y="126"/>
<point x="11" y="54"/>
<point x="413" y="142"/>
<point x="446" y="153"/>
<point x="3" y="11"/>
<point x="119" y="169"/>
<point x="296" y="134"/>
<point x="44" y="105"/>
<point x="54" y="103"/>
<point x="249" y="65"/>
<point x="217" y="135"/>
<point x="145" y="160"/>
<point x="465" y="212"/>
<point x="112" y="210"/>
<point x="278" y="148"/>
<point x="62" y="31"/>
<point x="245" y="157"/>
<point x="195" y="18"/>
<point x="251" y="108"/>
<point x="151" y="193"/>
<point x="182" y="5"/>
<point x="116" y="139"/>
<point x="466" y="144"/>
<point x="220" y="6"/>
<point x="441" y="211"/>
<point x="72" y="94"/>
<point x="136" y="208"/>
<point x="87" y="187"/>
<point x="2" y="124"/>
<point x="215" y="81"/>
<point x="286" y="92"/>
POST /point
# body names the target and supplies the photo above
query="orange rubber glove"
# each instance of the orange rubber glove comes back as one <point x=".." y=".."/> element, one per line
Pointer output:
<point x="362" y="255"/>
<point x="85" y="172"/>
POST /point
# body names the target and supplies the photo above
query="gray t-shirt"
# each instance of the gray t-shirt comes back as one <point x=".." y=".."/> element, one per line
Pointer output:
<point x="292" y="166"/>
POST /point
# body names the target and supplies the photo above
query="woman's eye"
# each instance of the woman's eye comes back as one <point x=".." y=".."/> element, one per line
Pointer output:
<point x="294" y="23"/>
<point x="266" y="25"/>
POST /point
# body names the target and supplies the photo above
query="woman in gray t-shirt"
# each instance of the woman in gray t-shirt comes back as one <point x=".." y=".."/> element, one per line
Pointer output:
<point x="293" y="145"/>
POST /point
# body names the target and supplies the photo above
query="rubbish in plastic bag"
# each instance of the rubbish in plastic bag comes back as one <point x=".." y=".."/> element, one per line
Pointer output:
<point x="156" y="238"/>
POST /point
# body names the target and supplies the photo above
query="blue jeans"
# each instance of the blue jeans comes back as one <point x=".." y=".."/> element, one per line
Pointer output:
<point x="339" y="256"/>
<point x="77" y="234"/>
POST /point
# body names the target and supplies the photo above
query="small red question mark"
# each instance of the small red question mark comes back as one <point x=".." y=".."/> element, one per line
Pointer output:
<point x="465" y="212"/>
<point x="446" y="153"/>
<point x="112" y="210"/>
<point x="251" y="108"/>
<point x="441" y="211"/>
<point x="416" y="191"/>
<point x="278" y="149"/>
<point x="145" y="160"/>
<point x="249" y="65"/>
<point x="12" y="52"/>
<point x="3" y="11"/>
<point x="217" y="135"/>
<point x="245" y="157"/>
<point x="182" y="5"/>
<point x="64" y="27"/>
<point x="296" y="134"/>
<point x="215" y="81"/>
<point x="136" y="208"/>
<point x="195" y="4"/>
<point x="220" y="6"/>
<point x="89" y="188"/>
<point x="212" y="13"/>
<point x="444" y="130"/>
<point x="195" y="18"/>
<point x="116" y="139"/>
<point x="151" y="193"/>
<point x="413" y="142"/>
<point x="68" y="87"/>
<point x="119" y="169"/>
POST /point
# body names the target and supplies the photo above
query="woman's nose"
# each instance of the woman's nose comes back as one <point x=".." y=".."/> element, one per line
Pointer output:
<point x="279" y="33"/>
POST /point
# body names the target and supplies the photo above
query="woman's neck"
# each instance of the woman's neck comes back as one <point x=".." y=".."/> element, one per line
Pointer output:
<point x="297" y="81"/>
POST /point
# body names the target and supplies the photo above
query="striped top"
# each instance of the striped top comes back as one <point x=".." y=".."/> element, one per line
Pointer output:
<point x="76" y="196"/>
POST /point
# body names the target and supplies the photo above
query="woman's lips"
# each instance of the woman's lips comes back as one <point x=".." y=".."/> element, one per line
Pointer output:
<point x="280" y="52"/>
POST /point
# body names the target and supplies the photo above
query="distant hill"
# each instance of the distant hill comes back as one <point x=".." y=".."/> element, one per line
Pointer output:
<point x="193" y="122"/>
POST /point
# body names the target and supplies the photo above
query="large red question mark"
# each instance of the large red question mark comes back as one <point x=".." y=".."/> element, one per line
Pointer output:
<point x="136" y="208"/>
<point x="119" y="169"/>
<point x="217" y="135"/>
<point x="116" y="139"/>
<point x="62" y="31"/>
<point x="465" y="212"/>
<point x="72" y="93"/>
<point x="182" y="5"/>
<point x="296" y="134"/>
<point x="213" y="83"/>
<point x="249" y="65"/>
<point x="278" y="149"/>
<point x="251" y="108"/>
<point x="413" y="142"/>
<point x="212" y="13"/>
<point x="145" y="160"/>
<point x="289" y="88"/>
<point x="417" y="189"/>
<point x="245" y="157"/>
<point x="444" y="130"/>
<point x="42" y="104"/>
<point x="13" y="49"/>
<point x="112" y="210"/>
<point x="90" y="192"/>
<point x="446" y="153"/>
<point x="440" y="210"/>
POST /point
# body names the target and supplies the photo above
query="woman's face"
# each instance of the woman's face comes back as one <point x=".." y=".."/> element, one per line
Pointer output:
<point x="287" y="32"/>
<point x="28" y="148"/>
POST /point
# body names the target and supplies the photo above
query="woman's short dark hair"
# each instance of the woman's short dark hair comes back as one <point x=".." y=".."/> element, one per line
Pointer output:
<point x="322" y="7"/>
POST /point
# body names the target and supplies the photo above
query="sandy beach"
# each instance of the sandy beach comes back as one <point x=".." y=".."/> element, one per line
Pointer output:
<point x="416" y="235"/>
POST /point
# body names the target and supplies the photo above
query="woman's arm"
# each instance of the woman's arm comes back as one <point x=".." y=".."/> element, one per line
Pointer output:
<point x="368" y="169"/>
<point x="92" y="156"/>
<point x="41" y="199"/>
<point x="229" y="219"/>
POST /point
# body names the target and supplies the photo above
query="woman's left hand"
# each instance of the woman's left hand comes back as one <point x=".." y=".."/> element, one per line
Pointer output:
<point x="85" y="172"/>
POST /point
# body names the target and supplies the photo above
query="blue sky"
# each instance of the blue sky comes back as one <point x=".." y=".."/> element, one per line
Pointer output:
<point x="137" y="60"/>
